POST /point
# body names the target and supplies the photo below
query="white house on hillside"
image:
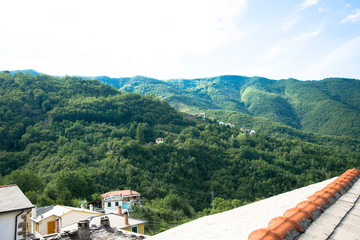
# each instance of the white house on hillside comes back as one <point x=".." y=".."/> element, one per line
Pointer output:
<point x="119" y="201"/>
<point x="14" y="206"/>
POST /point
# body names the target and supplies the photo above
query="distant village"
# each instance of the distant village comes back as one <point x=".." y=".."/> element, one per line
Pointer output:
<point x="21" y="220"/>
<point x="203" y="117"/>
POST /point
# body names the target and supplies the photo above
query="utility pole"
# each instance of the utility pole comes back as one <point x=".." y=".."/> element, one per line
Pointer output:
<point x="212" y="199"/>
<point x="154" y="224"/>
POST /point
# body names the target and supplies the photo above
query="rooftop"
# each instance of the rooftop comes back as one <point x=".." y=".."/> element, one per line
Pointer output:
<point x="121" y="192"/>
<point x="12" y="199"/>
<point x="116" y="221"/>
<point x="239" y="223"/>
<point x="59" y="211"/>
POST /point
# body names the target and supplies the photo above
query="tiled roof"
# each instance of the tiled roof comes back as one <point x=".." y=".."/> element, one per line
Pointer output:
<point x="239" y="223"/>
<point x="12" y="199"/>
<point x="123" y="192"/>
<point x="295" y="221"/>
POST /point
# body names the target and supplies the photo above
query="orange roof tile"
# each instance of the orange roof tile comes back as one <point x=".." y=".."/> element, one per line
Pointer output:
<point x="279" y="227"/>
<point x="122" y="192"/>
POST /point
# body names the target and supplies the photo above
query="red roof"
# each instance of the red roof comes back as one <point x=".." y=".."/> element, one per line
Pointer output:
<point x="122" y="192"/>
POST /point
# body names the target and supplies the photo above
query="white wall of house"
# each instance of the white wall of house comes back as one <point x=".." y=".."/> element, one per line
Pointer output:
<point x="7" y="224"/>
<point x="75" y="216"/>
<point x="113" y="208"/>
<point x="43" y="225"/>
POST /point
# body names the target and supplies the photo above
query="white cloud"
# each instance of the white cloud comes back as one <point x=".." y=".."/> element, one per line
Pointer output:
<point x="355" y="17"/>
<point x="321" y="10"/>
<point x="294" y="18"/>
<point x="307" y="35"/>
<point x="116" y="36"/>
<point x="308" y="3"/>
<point x="290" y="21"/>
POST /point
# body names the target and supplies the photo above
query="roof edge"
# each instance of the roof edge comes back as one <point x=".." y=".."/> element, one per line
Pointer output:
<point x="296" y="220"/>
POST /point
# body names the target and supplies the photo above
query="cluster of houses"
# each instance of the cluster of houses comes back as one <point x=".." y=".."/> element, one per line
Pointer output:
<point x="247" y="132"/>
<point x="20" y="219"/>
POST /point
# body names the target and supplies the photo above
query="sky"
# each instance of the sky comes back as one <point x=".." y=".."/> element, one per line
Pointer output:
<point x="171" y="39"/>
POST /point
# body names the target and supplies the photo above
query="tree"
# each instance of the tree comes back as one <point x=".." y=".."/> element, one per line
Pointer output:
<point x="26" y="180"/>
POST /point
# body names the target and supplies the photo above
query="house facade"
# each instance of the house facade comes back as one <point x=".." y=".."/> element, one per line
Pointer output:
<point x="57" y="217"/>
<point x="14" y="206"/>
<point x="119" y="202"/>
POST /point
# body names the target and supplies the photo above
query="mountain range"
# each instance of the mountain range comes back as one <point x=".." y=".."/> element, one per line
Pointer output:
<point x="330" y="106"/>
<point x="327" y="107"/>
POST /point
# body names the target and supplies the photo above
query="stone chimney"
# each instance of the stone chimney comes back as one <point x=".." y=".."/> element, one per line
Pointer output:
<point x="84" y="230"/>
<point x="126" y="218"/>
<point x="104" y="221"/>
<point x="119" y="210"/>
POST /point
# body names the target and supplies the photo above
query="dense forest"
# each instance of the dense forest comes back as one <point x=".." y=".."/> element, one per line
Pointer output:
<point x="66" y="139"/>
<point x="313" y="106"/>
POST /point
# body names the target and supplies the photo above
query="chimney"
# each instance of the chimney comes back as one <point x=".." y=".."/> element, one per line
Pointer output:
<point x="104" y="221"/>
<point x="33" y="212"/>
<point x="119" y="210"/>
<point x="84" y="230"/>
<point x="57" y="225"/>
<point x="126" y="218"/>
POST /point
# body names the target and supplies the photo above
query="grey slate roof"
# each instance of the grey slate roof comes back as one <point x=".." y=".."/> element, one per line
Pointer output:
<point x="12" y="199"/>
<point x="41" y="210"/>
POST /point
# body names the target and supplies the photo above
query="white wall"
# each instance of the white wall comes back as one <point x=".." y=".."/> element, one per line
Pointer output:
<point x="43" y="228"/>
<point x="113" y="208"/>
<point x="7" y="225"/>
<point x="75" y="216"/>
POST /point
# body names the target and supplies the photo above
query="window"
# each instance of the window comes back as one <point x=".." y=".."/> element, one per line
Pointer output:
<point x="109" y="204"/>
<point x="116" y="204"/>
<point x="134" y="229"/>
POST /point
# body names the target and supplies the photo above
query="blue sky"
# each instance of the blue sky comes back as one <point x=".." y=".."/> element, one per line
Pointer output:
<point x="167" y="39"/>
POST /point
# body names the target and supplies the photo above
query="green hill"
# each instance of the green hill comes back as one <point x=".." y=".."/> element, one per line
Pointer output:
<point x="329" y="106"/>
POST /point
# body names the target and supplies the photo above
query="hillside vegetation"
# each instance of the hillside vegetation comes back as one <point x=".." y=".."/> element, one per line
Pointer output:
<point x="68" y="139"/>
<point x="330" y="106"/>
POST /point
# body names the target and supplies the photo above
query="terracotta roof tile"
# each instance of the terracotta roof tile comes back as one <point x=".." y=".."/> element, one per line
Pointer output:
<point x="123" y="192"/>
<point x="289" y="225"/>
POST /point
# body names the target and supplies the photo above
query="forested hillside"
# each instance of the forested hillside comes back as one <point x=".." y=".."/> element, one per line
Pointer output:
<point x="330" y="106"/>
<point x="68" y="139"/>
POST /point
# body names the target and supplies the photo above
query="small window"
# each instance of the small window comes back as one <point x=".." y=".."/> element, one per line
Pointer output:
<point x="134" y="229"/>
<point x="109" y="204"/>
<point x="116" y="204"/>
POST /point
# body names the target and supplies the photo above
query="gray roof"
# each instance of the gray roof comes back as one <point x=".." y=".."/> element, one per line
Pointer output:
<point x="338" y="222"/>
<point x="41" y="210"/>
<point x="12" y="199"/>
<point x="238" y="223"/>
